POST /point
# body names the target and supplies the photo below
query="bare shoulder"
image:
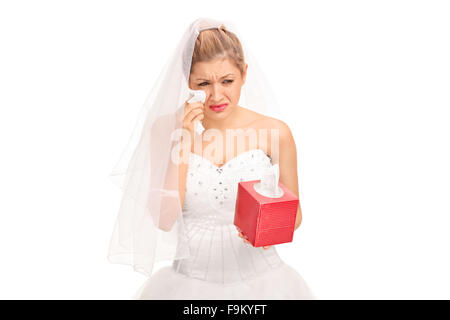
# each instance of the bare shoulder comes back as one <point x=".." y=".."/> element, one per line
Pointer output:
<point x="266" y="122"/>
<point x="275" y="127"/>
<point x="262" y="121"/>
<point x="284" y="151"/>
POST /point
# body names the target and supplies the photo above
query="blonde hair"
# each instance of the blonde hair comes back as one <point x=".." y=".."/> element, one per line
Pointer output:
<point x="218" y="43"/>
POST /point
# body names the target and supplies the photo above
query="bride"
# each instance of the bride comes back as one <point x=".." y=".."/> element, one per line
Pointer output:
<point x="211" y="258"/>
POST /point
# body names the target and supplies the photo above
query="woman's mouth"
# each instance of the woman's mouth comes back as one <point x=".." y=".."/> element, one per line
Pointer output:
<point x="218" y="108"/>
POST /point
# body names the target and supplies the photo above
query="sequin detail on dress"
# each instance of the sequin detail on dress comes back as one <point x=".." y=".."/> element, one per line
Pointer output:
<point x="218" y="253"/>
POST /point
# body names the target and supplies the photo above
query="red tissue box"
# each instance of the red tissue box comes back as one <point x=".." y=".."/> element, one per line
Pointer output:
<point x="265" y="221"/>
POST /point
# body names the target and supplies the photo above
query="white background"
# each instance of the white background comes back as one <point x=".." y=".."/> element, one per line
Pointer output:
<point x="365" y="85"/>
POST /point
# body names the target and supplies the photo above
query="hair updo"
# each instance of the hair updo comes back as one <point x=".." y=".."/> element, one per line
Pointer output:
<point x="218" y="43"/>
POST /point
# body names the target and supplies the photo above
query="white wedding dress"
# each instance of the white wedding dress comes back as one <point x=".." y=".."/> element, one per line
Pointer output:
<point x="222" y="265"/>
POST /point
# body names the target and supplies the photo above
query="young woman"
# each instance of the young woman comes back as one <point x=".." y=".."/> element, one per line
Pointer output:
<point x="196" y="185"/>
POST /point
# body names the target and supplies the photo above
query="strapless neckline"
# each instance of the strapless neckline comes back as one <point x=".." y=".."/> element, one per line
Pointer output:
<point x="231" y="160"/>
<point x="218" y="254"/>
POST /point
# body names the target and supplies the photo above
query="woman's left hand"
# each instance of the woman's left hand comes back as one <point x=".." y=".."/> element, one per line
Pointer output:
<point x="246" y="241"/>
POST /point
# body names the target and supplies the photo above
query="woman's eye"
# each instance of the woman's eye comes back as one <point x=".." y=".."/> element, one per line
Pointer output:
<point x="205" y="83"/>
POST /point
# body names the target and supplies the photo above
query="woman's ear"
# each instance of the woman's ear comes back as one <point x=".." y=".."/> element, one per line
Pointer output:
<point x="244" y="76"/>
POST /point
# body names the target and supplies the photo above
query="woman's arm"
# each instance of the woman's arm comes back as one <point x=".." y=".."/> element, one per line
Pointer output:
<point x="287" y="162"/>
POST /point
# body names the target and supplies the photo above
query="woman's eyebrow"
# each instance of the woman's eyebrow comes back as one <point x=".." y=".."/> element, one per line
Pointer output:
<point x="230" y="74"/>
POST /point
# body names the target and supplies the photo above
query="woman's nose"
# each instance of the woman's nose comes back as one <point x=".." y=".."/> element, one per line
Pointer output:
<point x="216" y="93"/>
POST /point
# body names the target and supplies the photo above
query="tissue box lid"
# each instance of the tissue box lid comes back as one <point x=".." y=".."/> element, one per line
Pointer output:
<point x="287" y="196"/>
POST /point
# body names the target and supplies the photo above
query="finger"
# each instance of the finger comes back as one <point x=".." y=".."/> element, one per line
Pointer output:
<point x="191" y="106"/>
<point x="198" y="117"/>
<point x="193" y="111"/>
<point x="193" y="114"/>
<point x="198" y="108"/>
<point x="188" y="117"/>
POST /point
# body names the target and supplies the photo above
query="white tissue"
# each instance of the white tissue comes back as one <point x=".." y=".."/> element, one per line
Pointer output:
<point x="268" y="187"/>
<point x="197" y="96"/>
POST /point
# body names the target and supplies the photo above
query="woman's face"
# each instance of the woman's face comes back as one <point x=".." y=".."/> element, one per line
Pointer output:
<point x="222" y="82"/>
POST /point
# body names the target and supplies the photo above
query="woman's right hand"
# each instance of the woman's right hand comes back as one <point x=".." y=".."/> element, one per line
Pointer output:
<point x="192" y="112"/>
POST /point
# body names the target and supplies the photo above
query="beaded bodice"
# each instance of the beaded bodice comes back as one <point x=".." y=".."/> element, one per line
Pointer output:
<point x="218" y="253"/>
